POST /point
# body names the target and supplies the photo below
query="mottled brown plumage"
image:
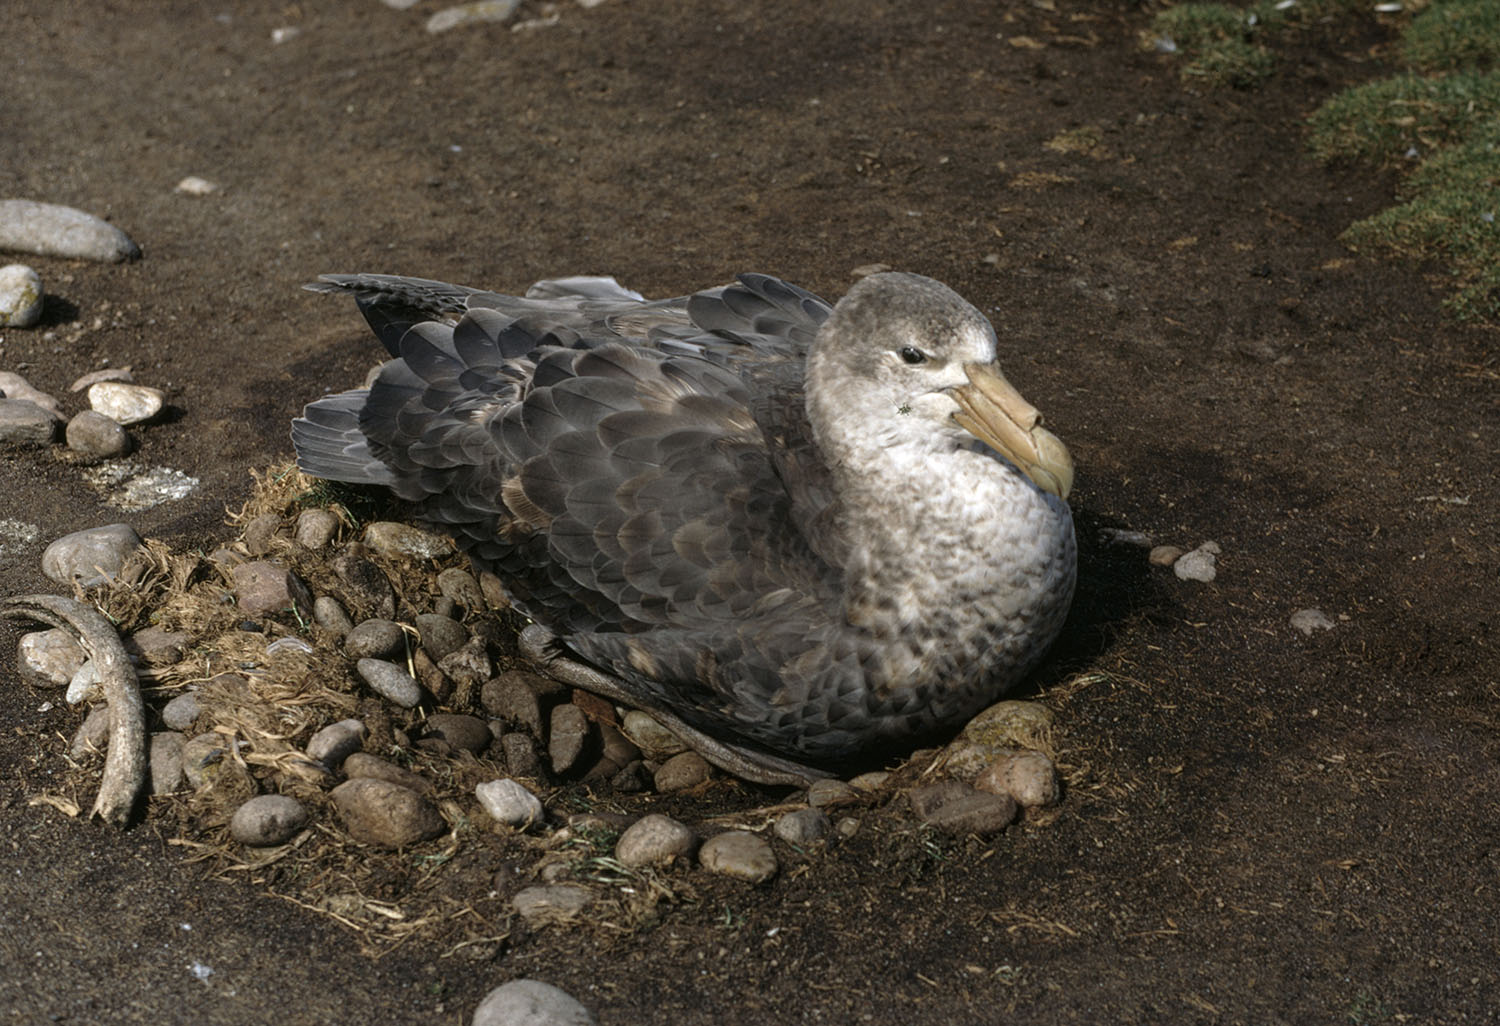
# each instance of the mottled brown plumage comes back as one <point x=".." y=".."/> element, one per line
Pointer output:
<point x="804" y="530"/>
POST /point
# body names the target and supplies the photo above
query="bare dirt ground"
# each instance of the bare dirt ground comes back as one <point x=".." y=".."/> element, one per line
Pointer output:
<point x="1270" y="828"/>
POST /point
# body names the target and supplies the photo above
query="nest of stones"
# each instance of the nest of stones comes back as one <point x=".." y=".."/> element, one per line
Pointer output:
<point x="340" y="713"/>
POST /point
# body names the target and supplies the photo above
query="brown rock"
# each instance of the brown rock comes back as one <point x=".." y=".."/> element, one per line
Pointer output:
<point x="509" y="697"/>
<point x="467" y="733"/>
<point x="386" y="815"/>
<point x="262" y="588"/>
<point x="567" y="737"/>
<point x="363" y="765"/>
<point x="681" y="772"/>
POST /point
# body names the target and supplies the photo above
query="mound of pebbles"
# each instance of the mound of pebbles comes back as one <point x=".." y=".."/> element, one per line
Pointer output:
<point x="31" y="417"/>
<point x="315" y="683"/>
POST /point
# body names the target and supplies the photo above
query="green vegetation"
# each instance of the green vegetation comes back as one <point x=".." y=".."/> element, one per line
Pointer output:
<point x="1441" y="119"/>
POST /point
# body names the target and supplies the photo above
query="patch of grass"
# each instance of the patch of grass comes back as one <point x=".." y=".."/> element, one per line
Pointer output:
<point x="1224" y="45"/>
<point x="1454" y="34"/>
<point x="1383" y="121"/>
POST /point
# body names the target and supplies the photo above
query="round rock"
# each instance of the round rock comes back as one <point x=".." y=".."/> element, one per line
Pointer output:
<point x="1028" y="777"/>
<point x="402" y="541"/>
<point x="330" y="615"/>
<point x="48" y="229"/>
<point x="509" y="698"/>
<point x="804" y="826"/>
<point x="315" y="528"/>
<point x="363" y="764"/>
<point x="386" y="815"/>
<point x="24" y="423"/>
<point x="441" y="635"/>
<point x="551" y="903"/>
<point x="681" y="772"/>
<point x="21" y="297"/>
<point x="126" y="403"/>
<point x="165" y="761"/>
<point x="94" y="434"/>
<point x="1198" y="565"/>
<point x="740" y="854"/>
<point x="336" y="742"/>
<point x="375" y="638"/>
<point x="267" y="820"/>
<point x="530" y="1003"/>
<point x="181" y="712"/>
<point x="463" y="732"/>
<point x="390" y="681"/>
<point x="508" y="802"/>
<point x="49" y="658"/>
<point x="654" y="840"/>
<point x="656" y="742"/>
<point x="262" y="588"/>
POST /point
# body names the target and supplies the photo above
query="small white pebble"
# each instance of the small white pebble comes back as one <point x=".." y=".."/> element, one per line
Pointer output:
<point x="1309" y="621"/>
<point x="21" y="296"/>
<point x="192" y="185"/>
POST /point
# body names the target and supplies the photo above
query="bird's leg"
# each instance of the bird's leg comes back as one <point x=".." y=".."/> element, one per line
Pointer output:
<point x="538" y="645"/>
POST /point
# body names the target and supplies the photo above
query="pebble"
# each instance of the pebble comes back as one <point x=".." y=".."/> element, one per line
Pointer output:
<point x="49" y="658"/>
<point x="615" y="747"/>
<point x="681" y="772"/>
<point x="510" y="803"/>
<point x="103" y="374"/>
<point x="441" y="635"/>
<point x="23" y="422"/>
<point x="493" y="590"/>
<point x="956" y="808"/>
<point x="472" y="13"/>
<point x="91" y="556"/>
<point x="154" y="646"/>
<point x="13" y="386"/>
<point x="530" y="1003"/>
<point x="192" y="185"/>
<point x="1165" y="555"/>
<point x="551" y="903"/>
<point x="1011" y="724"/>
<point x="459" y="585"/>
<point x="462" y="732"/>
<point x="93" y="734"/>
<point x="94" y="434"/>
<point x="868" y="783"/>
<point x="366" y="589"/>
<point x="1028" y="777"/>
<point x="363" y="764"/>
<point x="633" y="778"/>
<point x="21" y="296"/>
<point x="655" y="840"/>
<point x="1309" y="621"/>
<point x="267" y="820"/>
<point x="375" y="638"/>
<point x="262" y="588"/>
<point x="829" y="792"/>
<point x="1121" y="536"/>
<point x="391" y="682"/>
<point x="165" y="761"/>
<point x="260" y="533"/>
<point x="125" y="403"/>
<point x="521" y="758"/>
<point x="315" y="528"/>
<point x="804" y="826"/>
<point x="385" y="815"/>
<point x="402" y="541"/>
<point x="336" y="742"/>
<point x="656" y="742"/>
<point x="47" y="229"/>
<point x="567" y="736"/>
<point x="740" y="854"/>
<point x="329" y="614"/>
<point x="509" y="698"/>
<point x="84" y="686"/>
<point x="1197" y="565"/>
<point x="182" y="712"/>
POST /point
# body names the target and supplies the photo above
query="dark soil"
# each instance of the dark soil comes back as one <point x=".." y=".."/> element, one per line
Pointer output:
<point x="1266" y="828"/>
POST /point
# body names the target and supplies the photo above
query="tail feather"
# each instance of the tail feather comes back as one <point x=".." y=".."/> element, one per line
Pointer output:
<point x="330" y="445"/>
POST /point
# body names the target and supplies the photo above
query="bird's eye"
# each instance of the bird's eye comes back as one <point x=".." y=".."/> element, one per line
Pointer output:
<point x="913" y="355"/>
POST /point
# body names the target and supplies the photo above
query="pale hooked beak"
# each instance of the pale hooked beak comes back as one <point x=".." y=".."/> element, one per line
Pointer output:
<point x="990" y="409"/>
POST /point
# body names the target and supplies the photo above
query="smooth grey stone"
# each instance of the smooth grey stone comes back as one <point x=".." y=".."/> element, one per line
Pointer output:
<point x="21" y="296"/>
<point x="165" y="760"/>
<point x="330" y="615"/>
<point x="959" y="809"/>
<point x="567" y="736"/>
<point x="14" y="386"/>
<point x="510" y="803"/>
<point x="94" y="434"/>
<point x="1198" y="565"/>
<point x="336" y="743"/>
<point x="49" y="658"/>
<point x="375" y="638"/>
<point x="48" y="229"/>
<point x="472" y="13"/>
<point x="386" y="815"/>
<point x="126" y="403"/>
<point x="530" y="1003"/>
<point x="23" y="422"/>
<point x="444" y="606"/>
<point x="467" y="733"/>
<point x="655" y="741"/>
<point x="182" y="712"/>
<point x="830" y="792"/>
<point x="154" y="646"/>
<point x="267" y="820"/>
<point x="315" y="528"/>
<point x="391" y="682"/>
<point x="441" y="635"/>
<point x="521" y="758"/>
<point x="654" y="840"/>
<point x="681" y="772"/>
<point x="551" y="903"/>
<point x="84" y="685"/>
<point x="402" y="541"/>
<point x="740" y="854"/>
<point x="804" y="826"/>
